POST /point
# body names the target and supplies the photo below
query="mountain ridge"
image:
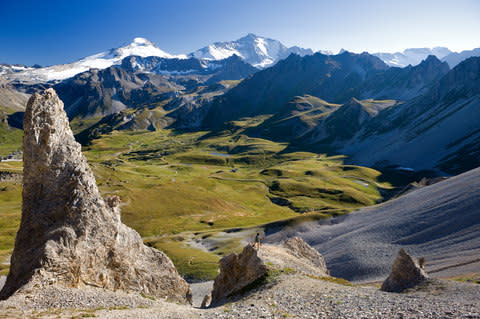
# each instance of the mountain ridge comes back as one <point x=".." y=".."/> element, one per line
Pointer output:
<point x="334" y="78"/>
<point x="425" y="131"/>
<point x="259" y="51"/>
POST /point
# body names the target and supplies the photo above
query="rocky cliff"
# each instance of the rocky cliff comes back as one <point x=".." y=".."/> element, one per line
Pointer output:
<point x="69" y="235"/>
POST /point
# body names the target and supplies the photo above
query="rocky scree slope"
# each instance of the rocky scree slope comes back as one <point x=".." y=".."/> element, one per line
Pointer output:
<point x="440" y="222"/>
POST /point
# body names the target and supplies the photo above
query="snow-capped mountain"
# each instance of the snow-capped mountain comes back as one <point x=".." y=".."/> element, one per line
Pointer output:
<point x="258" y="51"/>
<point x="157" y="65"/>
<point x="139" y="47"/>
<point x="411" y="56"/>
<point x="455" y="58"/>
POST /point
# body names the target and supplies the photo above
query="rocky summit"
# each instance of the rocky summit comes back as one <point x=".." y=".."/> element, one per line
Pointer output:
<point x="69" y="235"/>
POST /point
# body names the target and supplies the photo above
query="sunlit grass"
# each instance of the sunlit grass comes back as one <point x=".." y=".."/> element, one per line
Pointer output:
<point x="10" y="213"/>
<point x="178" y="183"/>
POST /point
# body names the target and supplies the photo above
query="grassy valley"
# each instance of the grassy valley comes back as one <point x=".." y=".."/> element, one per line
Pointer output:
<point x="196" y="196"/>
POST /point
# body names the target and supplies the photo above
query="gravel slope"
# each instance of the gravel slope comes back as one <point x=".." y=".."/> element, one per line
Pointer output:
<point x="440" y="222"/>
<point x="293" y="296"/>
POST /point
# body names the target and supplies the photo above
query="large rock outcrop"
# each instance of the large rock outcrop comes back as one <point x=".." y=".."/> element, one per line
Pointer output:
<point x="406" y="273"/>
<point x="239" y="271"/>
<point x="69" y="235"/>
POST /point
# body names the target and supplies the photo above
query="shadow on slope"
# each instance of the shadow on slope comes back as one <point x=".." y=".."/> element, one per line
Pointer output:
<point x="440" y="222"/>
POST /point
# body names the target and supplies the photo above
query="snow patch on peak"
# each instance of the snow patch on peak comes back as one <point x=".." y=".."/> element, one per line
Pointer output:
<point x="412" y="56"/>
<point x="141" y="41"/>
<point x="255" y="50"/>
<point x="261" y="45"/>
<point x="140" y="46"/>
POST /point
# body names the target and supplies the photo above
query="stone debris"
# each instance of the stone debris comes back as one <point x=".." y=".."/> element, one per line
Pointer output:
<point x="293" y="296"/>
<point x="406" y="273"/>
<point x="69" y="235"/>
<point x="297" y="296"/>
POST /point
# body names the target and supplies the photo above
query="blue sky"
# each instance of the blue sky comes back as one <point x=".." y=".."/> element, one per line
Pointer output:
<point x="52" y="32"/>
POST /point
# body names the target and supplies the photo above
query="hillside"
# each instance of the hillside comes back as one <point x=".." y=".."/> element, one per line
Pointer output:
<point x="405" y="83"/>
<point x="440" y="222"/>
<point x="436" y="130"/>
<point x="333" y="78"/>
<point x="255" y="180"/>
<point x="10" y="136"/>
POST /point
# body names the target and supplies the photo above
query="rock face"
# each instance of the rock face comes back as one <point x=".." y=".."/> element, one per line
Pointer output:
<point x="406" y="273"/>
<point x="237" y="272"/>
<point x="69" y="235"/>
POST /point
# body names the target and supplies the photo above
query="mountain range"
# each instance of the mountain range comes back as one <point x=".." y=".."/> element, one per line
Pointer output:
<point x="420" y="116"/>
<point x="416" y="55"/>
<point x="412" y="56"/>
<point x="258" y="51"/>
<point x="434" y="126"/>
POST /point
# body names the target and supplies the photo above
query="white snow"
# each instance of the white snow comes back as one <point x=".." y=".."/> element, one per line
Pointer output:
<point x="263" y="64"/>
<point x="213" y="52"/>
<point x="258" y="51"/>
<point x="411" y="56"/>
<point x="174" y="72"/>
<point x="140" y="46"/>
<point x="140" y="41"/>
<point x="260" y="43"/>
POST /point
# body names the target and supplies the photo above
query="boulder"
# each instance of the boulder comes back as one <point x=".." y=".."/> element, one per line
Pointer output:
<point x="69" y="235"/>
<point x="406" y="273"/>
<point x="239" y="271"/>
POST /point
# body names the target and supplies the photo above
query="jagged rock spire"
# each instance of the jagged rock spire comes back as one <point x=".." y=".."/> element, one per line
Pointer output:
<point x="69" y="235"/>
